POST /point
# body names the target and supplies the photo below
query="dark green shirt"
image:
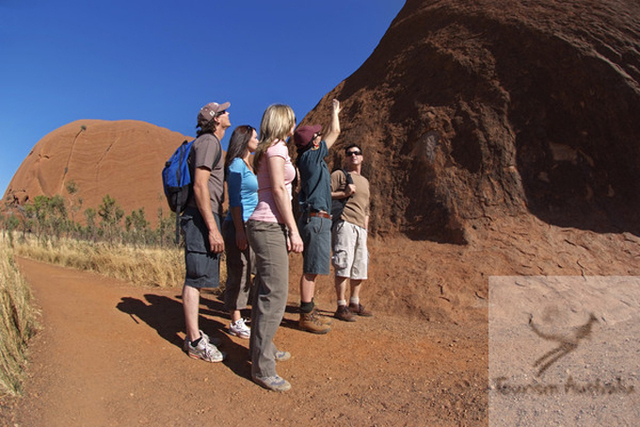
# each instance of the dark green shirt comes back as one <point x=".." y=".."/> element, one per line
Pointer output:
<point x="315" y="180"/>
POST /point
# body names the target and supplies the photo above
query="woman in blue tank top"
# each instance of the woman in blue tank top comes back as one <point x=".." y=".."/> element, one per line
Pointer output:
<point x="242" y="186"/>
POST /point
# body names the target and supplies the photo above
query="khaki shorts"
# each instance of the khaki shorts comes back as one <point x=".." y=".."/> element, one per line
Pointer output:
<point x="350" y="255"/>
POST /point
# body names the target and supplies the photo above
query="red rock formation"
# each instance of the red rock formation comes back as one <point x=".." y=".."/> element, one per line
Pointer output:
<point x="478" y="108"/>
<point x="467" y="109"/>
<point x="123" y="159"/>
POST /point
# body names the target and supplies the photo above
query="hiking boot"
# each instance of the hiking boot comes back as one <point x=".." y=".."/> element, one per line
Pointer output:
<point x="239" y="329"/>
<point x="274" y="383"/>
<point x="359" y="310"/>
<point x="324" y="319"/>
<point x="343" y="313"/>
<point x="205" y="351"/>
<point x="311" y="322"/>
<point x="282" y="356"/>
<point x="321" y="318"/>
<point x="214" y="341"/>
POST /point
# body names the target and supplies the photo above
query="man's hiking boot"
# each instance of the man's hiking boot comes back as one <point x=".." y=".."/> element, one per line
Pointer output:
<point x="312" y="322"/>
<point x="359" y="310"/>
<point x="321" y="318"/>
<point x="343" y="313"/>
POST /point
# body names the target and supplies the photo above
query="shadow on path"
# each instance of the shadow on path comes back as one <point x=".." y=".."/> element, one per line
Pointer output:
<point x="166" y="316"/>
<point x="290" y="319"/>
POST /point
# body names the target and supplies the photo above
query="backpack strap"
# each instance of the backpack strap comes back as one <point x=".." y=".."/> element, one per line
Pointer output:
<point x="340" y="202"/>
<point x="348" y="176"/>
<point x="180" y="208"/>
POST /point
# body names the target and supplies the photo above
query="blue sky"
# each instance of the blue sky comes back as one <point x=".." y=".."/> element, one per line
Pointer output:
<point x="160" y="61"/>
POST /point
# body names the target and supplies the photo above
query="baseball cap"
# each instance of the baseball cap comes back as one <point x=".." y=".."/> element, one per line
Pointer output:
<point x="210" y="110"/>
<point x="303" y="134"/>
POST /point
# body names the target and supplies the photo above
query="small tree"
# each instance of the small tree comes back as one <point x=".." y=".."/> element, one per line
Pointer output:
<point x="137" y="226"/>
<point x="39" y="211"/>
<point x="57" y="222"/>
<point x="166" y="225"/>
<point x="111" y="214"/>
<point x="72" y="189"/>
<point x="90" y="216"/>
<point x="11" y="222"/>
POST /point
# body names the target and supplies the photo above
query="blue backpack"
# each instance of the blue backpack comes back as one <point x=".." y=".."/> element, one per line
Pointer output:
<point x="177" y="180"/>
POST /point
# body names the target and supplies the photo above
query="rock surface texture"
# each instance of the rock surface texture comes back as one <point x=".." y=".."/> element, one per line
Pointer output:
<point x="468" y="110"/>
<point x="123" y="159"/>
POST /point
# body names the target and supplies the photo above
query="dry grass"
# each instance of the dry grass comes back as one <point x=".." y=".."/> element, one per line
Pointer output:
<point x="137" y="265"/>
<point x="17" y="322"/>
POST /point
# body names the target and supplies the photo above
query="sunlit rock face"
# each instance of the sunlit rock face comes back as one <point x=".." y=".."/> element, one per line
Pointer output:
<point x="472" y="109"/>
<point x="122" y="158"/>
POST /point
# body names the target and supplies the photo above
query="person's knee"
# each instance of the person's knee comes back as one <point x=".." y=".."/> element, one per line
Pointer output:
<point x="309" y="277"/>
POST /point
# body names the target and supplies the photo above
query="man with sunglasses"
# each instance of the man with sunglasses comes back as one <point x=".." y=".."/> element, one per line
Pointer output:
<point x="349" y="235"/>
<point x="314" y="222"/>
<point x="203" y="242"/>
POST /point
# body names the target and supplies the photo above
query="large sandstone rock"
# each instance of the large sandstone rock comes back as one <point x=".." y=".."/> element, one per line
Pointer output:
<point x="123" y="159"/>
<point x="472" y="109"/>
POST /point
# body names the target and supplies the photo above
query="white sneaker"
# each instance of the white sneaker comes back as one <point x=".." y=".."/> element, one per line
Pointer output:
<point x="274" y="383"/>
<point x="214" y="341"/>
<point x="239" y="329"/>
<point x="205" y="351"/>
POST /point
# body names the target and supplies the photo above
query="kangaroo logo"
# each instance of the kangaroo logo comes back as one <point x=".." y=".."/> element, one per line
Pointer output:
<point x="568" y="342"/>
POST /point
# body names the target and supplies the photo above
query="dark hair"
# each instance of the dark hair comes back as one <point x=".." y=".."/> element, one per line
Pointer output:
<point x="349" y="147"/>
<point x="209" y="127"/>
<point x="237" y="145"/>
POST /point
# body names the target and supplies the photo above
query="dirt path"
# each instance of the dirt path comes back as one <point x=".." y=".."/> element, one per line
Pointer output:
<point x="110" y="355"/>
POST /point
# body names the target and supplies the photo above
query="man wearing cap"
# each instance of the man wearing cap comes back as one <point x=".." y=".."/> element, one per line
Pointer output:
<point x="315" y="218"/>
<point x="203" y="242"/>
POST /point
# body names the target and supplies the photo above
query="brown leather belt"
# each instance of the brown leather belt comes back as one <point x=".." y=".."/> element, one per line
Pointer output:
<point x="321" y="214"/>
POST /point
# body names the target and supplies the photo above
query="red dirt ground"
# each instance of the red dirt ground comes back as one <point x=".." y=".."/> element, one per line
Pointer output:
<point x="110" y="355"/>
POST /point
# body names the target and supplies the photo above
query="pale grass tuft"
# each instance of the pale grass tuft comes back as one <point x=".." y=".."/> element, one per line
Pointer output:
<point x="17" y="322"/>
<point x="136" y="265"/>
<point x="139" y="266"/>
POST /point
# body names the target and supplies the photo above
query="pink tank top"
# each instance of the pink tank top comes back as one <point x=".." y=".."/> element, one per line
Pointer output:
<point x="267" y="210"/>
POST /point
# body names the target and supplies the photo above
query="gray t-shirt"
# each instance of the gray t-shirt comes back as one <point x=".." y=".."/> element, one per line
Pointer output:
<point x="206" y="148"/>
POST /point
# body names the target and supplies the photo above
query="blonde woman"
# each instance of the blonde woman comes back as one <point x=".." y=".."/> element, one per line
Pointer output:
<point x="272" y="233"/>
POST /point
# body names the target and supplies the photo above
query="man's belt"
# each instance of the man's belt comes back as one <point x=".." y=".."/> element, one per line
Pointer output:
<point x="321" y="214"/>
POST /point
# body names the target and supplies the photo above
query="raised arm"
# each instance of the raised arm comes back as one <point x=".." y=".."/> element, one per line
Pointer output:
<point x="334" y="128"/>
